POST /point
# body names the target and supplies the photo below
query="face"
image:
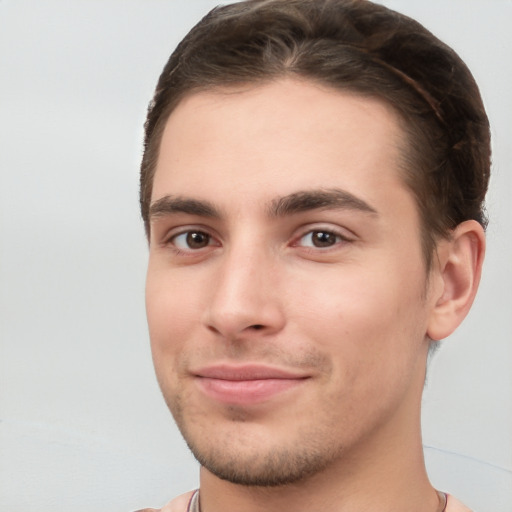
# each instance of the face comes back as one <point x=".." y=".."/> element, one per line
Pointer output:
<point x="287" y="294"/>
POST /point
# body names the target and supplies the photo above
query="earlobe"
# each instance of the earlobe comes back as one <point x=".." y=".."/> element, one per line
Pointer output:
<point x="460" y="261"/>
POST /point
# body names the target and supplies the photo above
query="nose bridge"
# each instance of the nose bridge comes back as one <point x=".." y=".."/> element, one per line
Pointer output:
<point x="244" y="294"/>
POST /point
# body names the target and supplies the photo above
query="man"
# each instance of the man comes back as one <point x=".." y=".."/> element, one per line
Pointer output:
<point x="312" y="188"/>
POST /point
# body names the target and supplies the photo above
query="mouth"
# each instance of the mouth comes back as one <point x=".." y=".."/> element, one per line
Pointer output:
<point x="247" y="384"/>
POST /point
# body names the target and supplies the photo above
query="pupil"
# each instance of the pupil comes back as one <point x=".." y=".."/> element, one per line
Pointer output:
<point x="196" y="240"/>
<point x="324" y="239"/>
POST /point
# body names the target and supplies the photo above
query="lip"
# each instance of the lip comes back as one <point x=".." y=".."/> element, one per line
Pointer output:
<point x="246" y="384"/>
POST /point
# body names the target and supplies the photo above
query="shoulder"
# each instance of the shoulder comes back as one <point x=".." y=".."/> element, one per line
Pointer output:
<point x="454" y="505"/>
<point x="179" y="504"/>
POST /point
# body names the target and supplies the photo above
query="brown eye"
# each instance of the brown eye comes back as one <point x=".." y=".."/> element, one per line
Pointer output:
<point x="197" y="240"/>
<point x="192" y="240"/>
<point x="320" y="239"/>
<point x="323" y="238"/>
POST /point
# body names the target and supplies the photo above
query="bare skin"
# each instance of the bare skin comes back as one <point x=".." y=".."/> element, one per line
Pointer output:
<point x="288" y="302"/>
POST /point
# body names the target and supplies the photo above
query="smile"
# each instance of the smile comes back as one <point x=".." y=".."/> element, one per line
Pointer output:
<point x="245" y="385"/>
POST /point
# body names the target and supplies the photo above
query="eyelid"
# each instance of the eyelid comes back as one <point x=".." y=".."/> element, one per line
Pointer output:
<point x="182" y="245"/>
<point x="171" y="234"/>
<point x="179" y="229"/>
<point x="342" y="232"/>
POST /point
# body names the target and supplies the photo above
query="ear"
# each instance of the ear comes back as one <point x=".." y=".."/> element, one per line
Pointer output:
<point x="458" y="272"/>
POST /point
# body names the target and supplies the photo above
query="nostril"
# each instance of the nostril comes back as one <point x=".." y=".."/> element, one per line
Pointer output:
<point x="257" y="327"/>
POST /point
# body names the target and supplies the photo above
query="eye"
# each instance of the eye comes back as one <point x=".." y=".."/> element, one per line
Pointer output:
<point x="320" y="239"/>
<point x="192" y="240"/>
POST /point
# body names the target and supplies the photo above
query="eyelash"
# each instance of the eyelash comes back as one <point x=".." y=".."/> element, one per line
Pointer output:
<point x="171" y="241"/>
<point x="339" y="238"/>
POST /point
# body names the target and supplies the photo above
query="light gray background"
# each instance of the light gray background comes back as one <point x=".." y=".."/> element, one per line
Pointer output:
<point x="83" y="426"/>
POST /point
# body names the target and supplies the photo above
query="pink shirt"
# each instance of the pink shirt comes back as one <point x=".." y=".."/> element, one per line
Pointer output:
<point x="188" y="503"/>
<point x="454" y="505"/>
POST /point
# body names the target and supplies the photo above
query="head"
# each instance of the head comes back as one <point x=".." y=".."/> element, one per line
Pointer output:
<point x="312" y="177"/>
<point x="355" y="46"/>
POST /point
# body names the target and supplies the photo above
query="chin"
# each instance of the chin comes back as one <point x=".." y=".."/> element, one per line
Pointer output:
<point x="244" y="458"/>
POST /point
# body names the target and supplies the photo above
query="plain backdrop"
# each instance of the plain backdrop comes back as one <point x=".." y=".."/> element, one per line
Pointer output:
<point x="82" y="424"/>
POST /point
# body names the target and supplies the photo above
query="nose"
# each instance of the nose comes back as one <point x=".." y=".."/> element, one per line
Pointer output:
<point x="245" y="299"/>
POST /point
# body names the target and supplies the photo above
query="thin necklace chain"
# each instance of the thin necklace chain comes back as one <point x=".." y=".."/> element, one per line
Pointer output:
<point x="442" y="501"/>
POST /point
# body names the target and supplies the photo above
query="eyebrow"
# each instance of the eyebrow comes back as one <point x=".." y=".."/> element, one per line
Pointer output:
<point x="322" y="199"/>
<point x="176" y="204"/>
<point x="297" y="202"/>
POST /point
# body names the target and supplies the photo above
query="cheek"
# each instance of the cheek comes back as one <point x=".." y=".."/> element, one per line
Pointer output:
<point x="170" y="315"/>
<point x="371" y="322"/>
<point x="167" y="322"/>
<point x="374" y="342"/>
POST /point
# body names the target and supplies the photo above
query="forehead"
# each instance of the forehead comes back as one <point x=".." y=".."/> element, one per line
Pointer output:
<point x="265" y="140"/>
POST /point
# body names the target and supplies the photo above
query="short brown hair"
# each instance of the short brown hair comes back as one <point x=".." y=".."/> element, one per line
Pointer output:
<point x="352" y="45"/>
